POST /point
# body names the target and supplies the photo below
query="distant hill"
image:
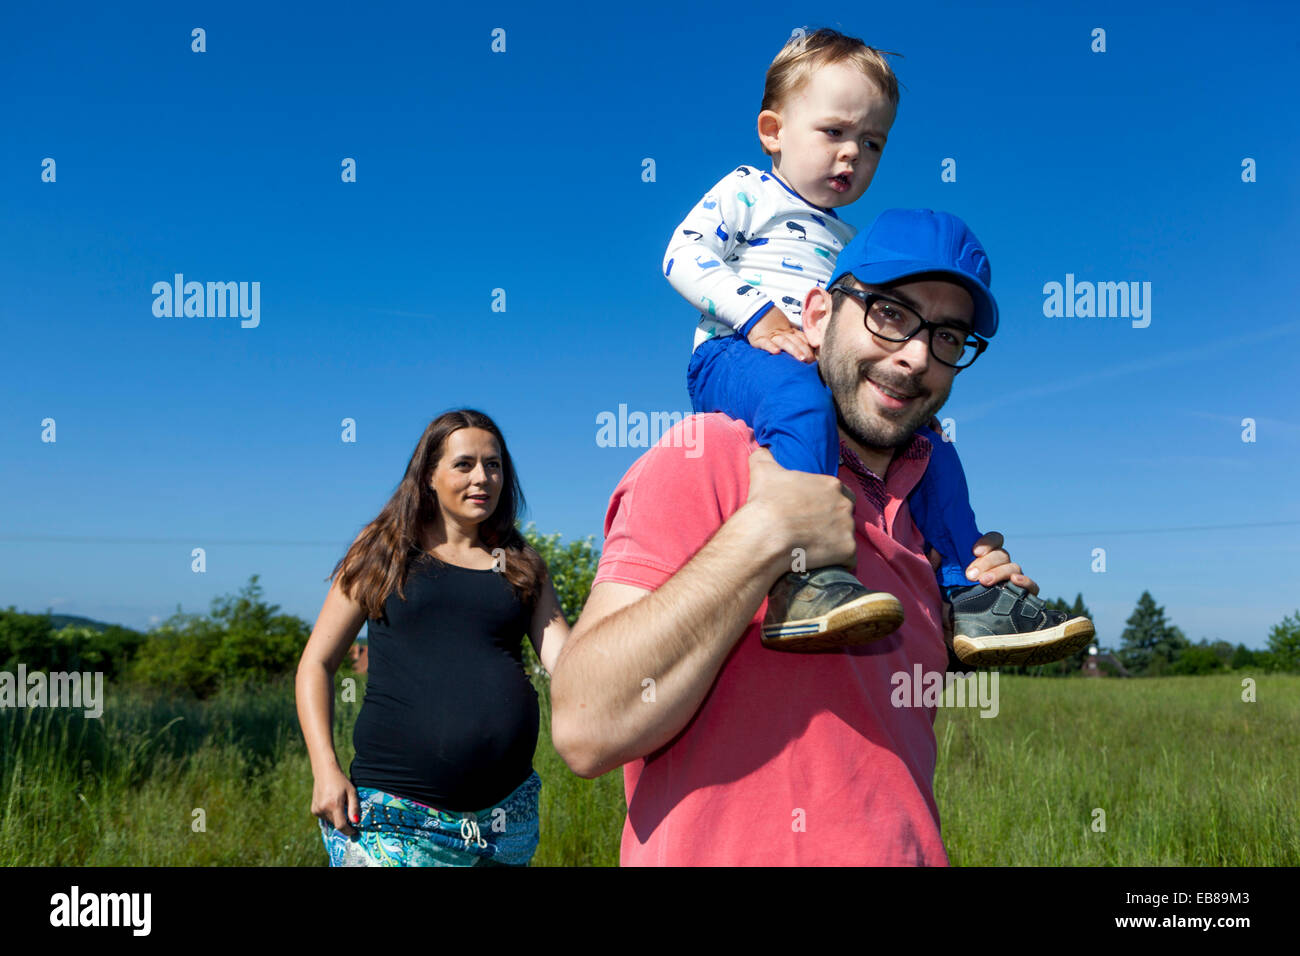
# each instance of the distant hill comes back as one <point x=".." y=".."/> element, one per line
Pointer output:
<point x="60" y="621"/>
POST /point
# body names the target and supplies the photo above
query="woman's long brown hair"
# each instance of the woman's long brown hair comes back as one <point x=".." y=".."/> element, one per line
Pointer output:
<point x="376" y="564"/>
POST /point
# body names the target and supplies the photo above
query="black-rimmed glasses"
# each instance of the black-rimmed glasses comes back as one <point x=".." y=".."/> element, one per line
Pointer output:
<point x="895" y="321"/>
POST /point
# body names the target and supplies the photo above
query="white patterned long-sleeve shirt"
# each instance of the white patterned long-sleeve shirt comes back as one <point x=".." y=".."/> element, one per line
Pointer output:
<point x="750" y="244"/>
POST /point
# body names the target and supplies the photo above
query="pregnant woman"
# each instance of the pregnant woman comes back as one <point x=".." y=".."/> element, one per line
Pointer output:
<point x="444" y="742"/>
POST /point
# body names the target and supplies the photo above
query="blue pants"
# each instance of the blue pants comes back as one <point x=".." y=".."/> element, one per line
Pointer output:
<point x="792" y="414"/>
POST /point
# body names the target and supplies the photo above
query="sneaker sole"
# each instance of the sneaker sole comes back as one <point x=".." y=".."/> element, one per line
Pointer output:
<point x="1036" y="647"/>
<point x="867" y="619"/>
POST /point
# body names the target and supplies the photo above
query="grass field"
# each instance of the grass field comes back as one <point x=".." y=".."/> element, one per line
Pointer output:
<point x="1185" y="772"/>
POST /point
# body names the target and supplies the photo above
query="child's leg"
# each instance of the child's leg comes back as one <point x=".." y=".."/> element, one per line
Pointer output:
<point x="792" y="413"/>
<point x="940" y="506"/>
<point x="1002" y="624"/>
<point x="783" y="400"/>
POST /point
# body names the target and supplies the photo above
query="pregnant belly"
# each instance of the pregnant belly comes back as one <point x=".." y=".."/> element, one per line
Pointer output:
<point x="448" y="752"/>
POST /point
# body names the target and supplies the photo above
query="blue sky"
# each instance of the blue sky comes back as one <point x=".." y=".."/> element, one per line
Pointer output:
<point x="522" y="170"/>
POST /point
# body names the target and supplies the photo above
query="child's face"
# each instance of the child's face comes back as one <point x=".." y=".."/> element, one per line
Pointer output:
<point x="835" y="126"/>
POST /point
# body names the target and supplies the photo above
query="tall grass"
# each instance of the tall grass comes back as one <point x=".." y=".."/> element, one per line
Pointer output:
<point x="1186" y="773"/>
<point x="121" y="790"/>
<point x="582" y="820"/>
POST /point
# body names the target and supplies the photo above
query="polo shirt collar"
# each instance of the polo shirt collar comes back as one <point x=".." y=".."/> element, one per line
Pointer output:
<point x="903" y="474"/>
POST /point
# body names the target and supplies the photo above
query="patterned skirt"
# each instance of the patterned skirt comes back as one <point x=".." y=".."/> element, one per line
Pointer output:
<point x="394" y="831"/>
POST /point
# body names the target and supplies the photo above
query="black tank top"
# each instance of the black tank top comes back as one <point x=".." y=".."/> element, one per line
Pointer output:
<point x="449" y="718"/>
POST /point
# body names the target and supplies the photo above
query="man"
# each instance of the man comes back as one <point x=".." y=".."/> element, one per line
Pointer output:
<point x="734" y="753"/>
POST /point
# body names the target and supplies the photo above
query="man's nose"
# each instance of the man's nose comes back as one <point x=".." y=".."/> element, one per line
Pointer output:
<point x="915" y="352"/>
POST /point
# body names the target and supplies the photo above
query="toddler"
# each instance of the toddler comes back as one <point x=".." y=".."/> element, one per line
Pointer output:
<point x="747" y="255"/>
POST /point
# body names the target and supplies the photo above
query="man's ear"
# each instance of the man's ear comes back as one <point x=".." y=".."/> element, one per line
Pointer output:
<point x="769" y="127"/>
<point x="817" y="306"/>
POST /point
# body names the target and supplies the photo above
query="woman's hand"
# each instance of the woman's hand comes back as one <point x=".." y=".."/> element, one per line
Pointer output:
<point x="334" y="799"/>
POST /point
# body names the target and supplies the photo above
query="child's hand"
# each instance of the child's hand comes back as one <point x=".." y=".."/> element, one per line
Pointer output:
<point x="775" y="333"/>
<point x="992" y="565"/>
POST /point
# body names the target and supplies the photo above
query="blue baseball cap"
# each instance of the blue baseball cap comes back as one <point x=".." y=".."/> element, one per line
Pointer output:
<point x="908" y="242"/>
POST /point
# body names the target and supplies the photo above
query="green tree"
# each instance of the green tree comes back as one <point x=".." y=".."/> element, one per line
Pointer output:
<point x="241" y="639"/>
<point x="177" y="655"/>
<point x="1202" y="658"/>
<point x="34" y="641"/>
<point x="572" y="567"/>
<point x="258" y="643"/>
<point x="1223" y="650"/>
<point x="1150" y="644"/>
<point x="24" y="638"/>
<point x="1243" y="657"/>
<point x="1284" y="643"/>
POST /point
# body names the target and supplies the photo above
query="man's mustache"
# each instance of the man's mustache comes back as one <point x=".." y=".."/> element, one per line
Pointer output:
<point x="901" y="384"/>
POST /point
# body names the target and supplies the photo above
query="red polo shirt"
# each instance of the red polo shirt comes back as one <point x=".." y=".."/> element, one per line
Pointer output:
<point x="791" y="759"/>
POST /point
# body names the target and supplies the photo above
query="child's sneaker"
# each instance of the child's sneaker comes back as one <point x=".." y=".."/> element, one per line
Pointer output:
<point x="825" y="610"/>
<point x="1005" y="624"/>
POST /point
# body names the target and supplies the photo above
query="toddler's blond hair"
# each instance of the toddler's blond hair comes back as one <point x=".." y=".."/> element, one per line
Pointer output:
<point x="794" y="66"/>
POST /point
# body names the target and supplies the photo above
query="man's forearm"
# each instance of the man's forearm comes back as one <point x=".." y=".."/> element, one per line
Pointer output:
<point x="677" y="636"/>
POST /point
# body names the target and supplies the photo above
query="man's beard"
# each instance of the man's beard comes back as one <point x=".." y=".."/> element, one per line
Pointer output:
<point x="885" y="429"/>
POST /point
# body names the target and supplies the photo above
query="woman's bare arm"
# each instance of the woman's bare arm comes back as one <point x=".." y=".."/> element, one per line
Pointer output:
<point x="337" y="626"/>
<point x="549" y="629"/>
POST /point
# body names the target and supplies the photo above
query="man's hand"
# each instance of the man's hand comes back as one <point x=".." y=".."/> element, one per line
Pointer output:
<point x="775" y="333"/>
<point x="682" y="633"/>
<point x="812" y="512"/>
<point x="993" y="565"/>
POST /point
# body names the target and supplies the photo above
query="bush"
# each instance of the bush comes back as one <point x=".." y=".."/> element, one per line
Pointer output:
<point x="241" y="640"/>
<point x="572" y="567"/>
<point x="32" y="640"/>
<point x="1197" y="659"/>
<point x="1284" y="643"/>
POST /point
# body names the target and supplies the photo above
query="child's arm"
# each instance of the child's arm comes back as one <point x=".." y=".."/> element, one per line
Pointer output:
<point x="696" y="261"/>
<point x="775" y="333"/>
